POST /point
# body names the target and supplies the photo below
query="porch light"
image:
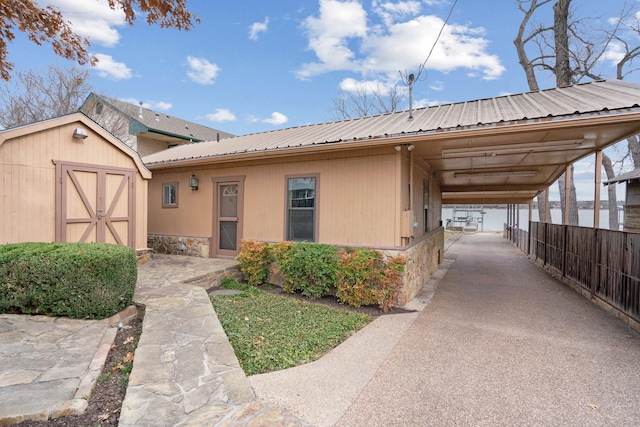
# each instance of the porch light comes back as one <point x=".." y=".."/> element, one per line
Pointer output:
<point x="80" y="133"/>
<point x="193" y="182"/>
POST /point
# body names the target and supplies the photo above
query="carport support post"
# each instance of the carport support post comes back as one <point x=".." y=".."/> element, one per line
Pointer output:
<point x="598" y="181"/>
<point x="567" y="194"/>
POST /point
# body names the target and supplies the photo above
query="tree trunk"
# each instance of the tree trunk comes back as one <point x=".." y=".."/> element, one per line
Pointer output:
<point x="611" y="191"/>
<point x="634" y="149"/>
<point x="561" y="39"/>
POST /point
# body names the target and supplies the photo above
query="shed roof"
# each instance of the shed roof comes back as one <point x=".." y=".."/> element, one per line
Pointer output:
<point x="18" y="131"/>
<point x="502" y="149"/>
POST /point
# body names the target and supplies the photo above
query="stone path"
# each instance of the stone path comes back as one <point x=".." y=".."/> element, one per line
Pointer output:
<point x="49" y="365"/>
<point x="185" y="372"/>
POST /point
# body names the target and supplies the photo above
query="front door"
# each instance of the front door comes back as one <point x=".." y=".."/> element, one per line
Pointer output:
<point x="227" y="227"/>
<point x="95" y="204"/>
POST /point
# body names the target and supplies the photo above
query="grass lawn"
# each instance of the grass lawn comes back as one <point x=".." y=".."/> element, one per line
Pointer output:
<point x="271" y="332"/>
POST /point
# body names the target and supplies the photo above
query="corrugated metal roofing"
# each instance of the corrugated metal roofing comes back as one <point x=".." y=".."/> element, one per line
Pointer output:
<point x="595" y="97"/>
<point x="165" y="123"/>
<point x="634" y="174"/>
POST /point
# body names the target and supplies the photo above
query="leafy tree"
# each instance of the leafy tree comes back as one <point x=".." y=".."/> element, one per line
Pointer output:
<point x="572" y="50"/>
<point x="47" y="25"/>
<point x="36" y="95"/>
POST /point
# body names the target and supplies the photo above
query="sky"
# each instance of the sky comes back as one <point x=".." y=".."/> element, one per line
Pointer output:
<point x="253" y="65"/>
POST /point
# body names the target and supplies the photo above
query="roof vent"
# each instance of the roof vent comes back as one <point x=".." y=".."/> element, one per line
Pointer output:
<point x="157" y="117"/>
<point x="140" y="111"/>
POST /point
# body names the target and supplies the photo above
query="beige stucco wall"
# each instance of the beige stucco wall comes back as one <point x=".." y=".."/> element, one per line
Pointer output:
<point x="27" y="179"/>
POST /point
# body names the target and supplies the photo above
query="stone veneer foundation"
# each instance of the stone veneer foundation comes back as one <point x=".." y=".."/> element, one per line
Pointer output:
<point x="179" y="245"/>
<point x="422" y="259"/>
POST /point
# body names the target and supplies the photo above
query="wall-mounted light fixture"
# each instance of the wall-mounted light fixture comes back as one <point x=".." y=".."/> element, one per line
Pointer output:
<point x="193" y="182"/>
<point x="410" y="147"/>
<point x="80" y="133"/>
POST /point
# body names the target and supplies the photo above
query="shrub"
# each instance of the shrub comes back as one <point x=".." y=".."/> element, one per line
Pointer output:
<point x="365" y="278"/>
<point x="307" y="267"/>
<point x="79" y="280"/>
<point x="254" y="258"/>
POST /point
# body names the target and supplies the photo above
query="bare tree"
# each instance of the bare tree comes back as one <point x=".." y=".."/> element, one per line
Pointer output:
<point x="364" y="101"/>
<point x="39" y="95"/>
<point x="572" y="50"/>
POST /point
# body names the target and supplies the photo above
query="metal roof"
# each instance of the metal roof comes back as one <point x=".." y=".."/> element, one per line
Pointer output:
<point x="163" y="123"/>
<point x="629" y="176"/>
<point x="451" y="137"/>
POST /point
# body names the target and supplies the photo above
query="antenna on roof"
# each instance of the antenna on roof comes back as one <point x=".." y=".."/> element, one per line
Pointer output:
<point x="140" y="111"/>
<point x="410" y="79"/>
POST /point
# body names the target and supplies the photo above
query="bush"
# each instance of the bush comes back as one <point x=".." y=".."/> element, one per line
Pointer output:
<point x="254" y="258"/>
<point x="356" y="276"/>
<point x="79" y="280"/>
<point x="365" y="278"/>
<point x="307" y="267"/>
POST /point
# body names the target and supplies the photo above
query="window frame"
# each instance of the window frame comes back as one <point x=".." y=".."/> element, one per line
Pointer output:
<point x="170" y="184"/>
<point x="315" y="208"/>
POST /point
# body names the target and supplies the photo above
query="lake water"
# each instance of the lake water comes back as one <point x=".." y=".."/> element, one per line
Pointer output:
<point x="494" y="219"/>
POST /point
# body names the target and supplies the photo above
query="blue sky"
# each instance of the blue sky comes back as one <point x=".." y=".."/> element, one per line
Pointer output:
<point x="251" y="66"/>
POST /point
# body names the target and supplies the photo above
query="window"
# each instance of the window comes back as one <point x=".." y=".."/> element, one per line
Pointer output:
<point x="170" y="195"/>
<point x="301" y="209"/>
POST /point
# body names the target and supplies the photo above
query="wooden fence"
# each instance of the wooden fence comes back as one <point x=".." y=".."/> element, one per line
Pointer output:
<point x="604" y="263"/>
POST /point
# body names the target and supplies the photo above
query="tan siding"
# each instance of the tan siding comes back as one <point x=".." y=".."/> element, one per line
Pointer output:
<point x="353" y="200"/>
<point x="27" y="181"/>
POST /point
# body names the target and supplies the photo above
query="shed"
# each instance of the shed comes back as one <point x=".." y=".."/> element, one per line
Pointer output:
<point x="68" y="180"/>
<point x="632" y="199"/>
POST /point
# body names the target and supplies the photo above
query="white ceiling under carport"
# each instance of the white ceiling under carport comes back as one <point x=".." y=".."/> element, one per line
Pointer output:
<point x="496" y="150"/>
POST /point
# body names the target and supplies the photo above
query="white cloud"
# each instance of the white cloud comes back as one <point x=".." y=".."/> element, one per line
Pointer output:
<point x="151" y="105"/>
<point x="257" y="28"/>
<point x="614" y="53"/>
<point x="276" y="119"/>
<point x="221" y="115"/>
<point x="390" y="12"/>
<point x="202" y="71"/>
<point x="110" y="69"/>
<point x="437" y="85"/>
<point x="92" y="19"/>
<point x="344" y="38"/>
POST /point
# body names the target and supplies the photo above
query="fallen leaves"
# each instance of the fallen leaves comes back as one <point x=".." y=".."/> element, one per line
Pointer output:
<point x="592" y="405"/>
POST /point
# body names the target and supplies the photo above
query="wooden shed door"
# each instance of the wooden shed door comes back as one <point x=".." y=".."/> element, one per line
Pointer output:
<point x="95" y="204"/>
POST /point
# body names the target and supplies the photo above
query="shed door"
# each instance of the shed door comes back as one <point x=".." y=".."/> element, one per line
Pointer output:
<point x="95" y="204"/>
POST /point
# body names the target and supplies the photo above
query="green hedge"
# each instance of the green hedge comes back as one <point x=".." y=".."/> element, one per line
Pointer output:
<point x="79" y="280"/>
<point x="356" y="276"/>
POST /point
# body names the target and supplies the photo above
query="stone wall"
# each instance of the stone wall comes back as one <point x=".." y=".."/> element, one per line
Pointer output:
<point x="423" y="257"/>
<point x="632" y="218"/>
<point x="179" y="245"/>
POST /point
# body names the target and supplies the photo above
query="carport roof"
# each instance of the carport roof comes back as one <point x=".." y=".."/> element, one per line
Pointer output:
<point x="497" y="150"/>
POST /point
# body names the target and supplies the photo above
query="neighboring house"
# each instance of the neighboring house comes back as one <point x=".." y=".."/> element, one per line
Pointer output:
<point x="144" y="130"/>
<point x="380" y="181"/>
<point x="68" y="180"/>
<point x="632" y="199"/>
